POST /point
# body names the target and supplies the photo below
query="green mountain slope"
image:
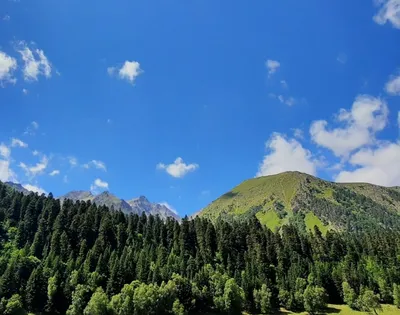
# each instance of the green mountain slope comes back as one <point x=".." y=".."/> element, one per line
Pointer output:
<point x="308" y="201"/>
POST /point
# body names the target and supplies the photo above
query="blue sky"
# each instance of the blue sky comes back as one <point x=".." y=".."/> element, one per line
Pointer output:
<point x="182" y="100"/>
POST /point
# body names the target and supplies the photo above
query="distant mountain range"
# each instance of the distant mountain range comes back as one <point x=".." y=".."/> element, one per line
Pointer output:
<point x="18" y="187"/>
<point x="307" y="201"/>
<point x="135" y="205"/>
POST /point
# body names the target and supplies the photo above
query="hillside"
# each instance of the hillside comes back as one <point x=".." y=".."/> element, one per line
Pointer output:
<point x="308" y="201"/>
<point x="80" y="258"/>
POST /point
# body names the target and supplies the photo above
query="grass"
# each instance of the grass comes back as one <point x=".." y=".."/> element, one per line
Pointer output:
<point x="257" y="193"/>
<point x="312" y="220"/>
<point x="345" y="310"/>
<point x="269" y="218"/>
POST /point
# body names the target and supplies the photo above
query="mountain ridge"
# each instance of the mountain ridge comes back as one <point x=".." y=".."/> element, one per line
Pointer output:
<point x="106" y="198"/>
<point x="134" y="205"/>
<point x="295" y="197"/>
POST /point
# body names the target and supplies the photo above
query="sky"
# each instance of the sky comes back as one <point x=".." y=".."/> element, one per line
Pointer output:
<point x="181" y="101"/>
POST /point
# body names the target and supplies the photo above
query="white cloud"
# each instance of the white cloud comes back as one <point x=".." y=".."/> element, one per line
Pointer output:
<point x="4" y="151"/>
<point x="368" y="115"/>
<point x="35" y="63"/>
<point x="284" y="84"/>
<point x="166" y="204"/>
<point x="393" y="86"/>
<point x="272" y="66"/>
<point x="178" y="169"/>
<point x="65" y="179"/>
<point x="72" y="161"/>
<point x="6" y="173"/>
<point x="98" y="184"/>
<point x="290" y="101"/>
<point x="25" y="91"/>
<point x="35" y="152"/>
<point x="54" y="173"/>
<point x="286" y="155"/>
<point x="36" y="169"/>
<point x="18" y="143"/>
<point x="8" y="65"/>
<point x="96" y="164"/>
<point x="35" y="189"/>
<point x="377" y="166"/>
<point x="6" y="18"/>
<point x="32" y="128"/>
<point x="389" y="12"/>
<point x="129" y="71"/>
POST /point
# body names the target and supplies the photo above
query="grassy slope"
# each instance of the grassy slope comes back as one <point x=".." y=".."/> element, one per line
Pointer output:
<point x="260" y="195"/>
<point x="257" y="192"/>
<point x="345" y="310"/>
<point x="340" y="309"/>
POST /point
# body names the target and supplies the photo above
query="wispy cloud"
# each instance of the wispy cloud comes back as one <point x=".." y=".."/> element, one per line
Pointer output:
<point x="73" y="161"/>
<point x="32" y="128"/>
<point x="54" y="173"/>
<point x="35" y="62"/>
<point x="18" y="143"/>
<point x="96" y="164"/>
<point x="272" y="66"/>
<point x="36" y="169"/>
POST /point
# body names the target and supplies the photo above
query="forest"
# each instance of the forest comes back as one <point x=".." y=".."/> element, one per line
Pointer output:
<point x="79" y="258"/>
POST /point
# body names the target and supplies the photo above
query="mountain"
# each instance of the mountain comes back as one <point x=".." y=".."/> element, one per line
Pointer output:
<point x="136" y="205"/>
<point x="308" y="201"/>
<point x="18" y="187"/>
<point x="142" y="204"/>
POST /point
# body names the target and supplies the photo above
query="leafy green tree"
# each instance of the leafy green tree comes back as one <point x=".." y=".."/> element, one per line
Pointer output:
<point x="8" y="280"/>
<point x="14" y="306"/>
<point x="349" y="296"/>
<point x="262" y="299"/>
<point x="368" y="301"/>
<point x="36" y="290"/>
<point x="178" y="308"/>
<point x="98" y="304"/>
<point x="396" y="295"/>
<point x="80" y="298"/>
<point x="233" y="297"/>
<point x="314" y="299"/>
<point x="300" y="287"/>
<point x="145" y="299"/>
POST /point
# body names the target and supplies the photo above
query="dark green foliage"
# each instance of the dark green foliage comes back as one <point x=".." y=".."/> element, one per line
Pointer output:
<point x="80" y="259"/>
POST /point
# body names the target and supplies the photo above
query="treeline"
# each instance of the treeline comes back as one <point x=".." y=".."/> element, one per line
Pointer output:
<point x="82" y="259"/>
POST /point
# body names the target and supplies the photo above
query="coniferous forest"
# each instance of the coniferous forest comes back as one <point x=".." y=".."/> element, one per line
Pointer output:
<point x="78" y="258"/>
